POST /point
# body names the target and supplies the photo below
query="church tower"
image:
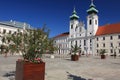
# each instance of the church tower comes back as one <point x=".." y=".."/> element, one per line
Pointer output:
<point x="92" y="20"/>
<point x="73" y="27"/>
<point x="92" y="26"/>
<point x="73" y="23"/>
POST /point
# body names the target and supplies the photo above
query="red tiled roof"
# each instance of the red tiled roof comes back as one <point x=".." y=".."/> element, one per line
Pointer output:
<point x="108" y="29"/>
<point x="62" y="35"/>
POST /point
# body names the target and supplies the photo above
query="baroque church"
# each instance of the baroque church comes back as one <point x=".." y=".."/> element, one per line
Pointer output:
<point x="90" y="39"/>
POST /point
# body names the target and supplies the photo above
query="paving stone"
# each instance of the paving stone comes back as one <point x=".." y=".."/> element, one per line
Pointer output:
<point x="62" y="68"/>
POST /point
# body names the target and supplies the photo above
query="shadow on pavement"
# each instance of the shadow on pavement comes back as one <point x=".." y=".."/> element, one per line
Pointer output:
<point x="74" y="77"/>
<point x="116" y="63"/>
<point x="10" y="75"/>
<point x="68" y="59"/>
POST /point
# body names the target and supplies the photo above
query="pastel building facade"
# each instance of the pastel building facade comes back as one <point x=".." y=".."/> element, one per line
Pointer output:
<point x="89" y="39"/>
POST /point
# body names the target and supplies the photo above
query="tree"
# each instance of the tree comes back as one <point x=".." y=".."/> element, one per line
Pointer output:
<point x="51" y="47"/>
<point x="32" y="43"/>
<point x="102" y="51"/>
<point x="75" y="49"/>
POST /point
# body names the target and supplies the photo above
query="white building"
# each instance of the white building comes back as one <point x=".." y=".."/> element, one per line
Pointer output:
<point x="61" y="42"/>
<point x="108" y="37"/>
<point x="87" y="39"/>
<point x="9" y="27"/>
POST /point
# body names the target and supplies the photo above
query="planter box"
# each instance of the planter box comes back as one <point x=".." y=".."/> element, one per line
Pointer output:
<point x="30" y="71"/>
<point x="103" y="56"/>
<point x="74" y="57"/>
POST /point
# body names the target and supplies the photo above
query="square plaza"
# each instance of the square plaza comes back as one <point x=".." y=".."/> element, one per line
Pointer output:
<point x="62" y="68"/>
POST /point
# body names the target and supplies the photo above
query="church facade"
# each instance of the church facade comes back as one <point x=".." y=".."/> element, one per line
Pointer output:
<point x="90" y="39"/>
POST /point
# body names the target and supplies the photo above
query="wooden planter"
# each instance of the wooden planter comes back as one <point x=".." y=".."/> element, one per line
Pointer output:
<point x="30" y="71"/>
<point x="103" y="56"/>
<point x="74" y="57"/>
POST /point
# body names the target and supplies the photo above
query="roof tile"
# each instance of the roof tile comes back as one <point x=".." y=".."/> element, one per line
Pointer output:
<point x="108" y="29"/>
<point x="62" y="35"/>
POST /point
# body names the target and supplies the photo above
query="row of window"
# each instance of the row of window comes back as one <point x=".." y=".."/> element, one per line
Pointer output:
<point x="63" y="46"/>
<point x="111" y="45"/>
<point x="111" y="51"/>
<point x="90" y="22"/>
<point x="111" y="38"/>
<point x="9" y="32"/>
<point x="76" y="42"/>
<point x="61" y="40"/>
<point x="76" y="35"/>
<point x="62" y="51"/>
<point x="80" y="29"/>
<point x="5" y="40"/>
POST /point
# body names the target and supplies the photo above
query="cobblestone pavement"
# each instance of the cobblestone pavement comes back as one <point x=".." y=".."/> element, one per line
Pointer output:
<point x="62" y="68"/>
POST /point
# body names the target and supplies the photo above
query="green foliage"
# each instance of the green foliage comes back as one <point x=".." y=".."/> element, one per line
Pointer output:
<point x="32" y="43"/>
<point x="51" y="47"/>
<point x="102" y="51"/>
<point x="4" y="49"/>
<point x="75" y="49"/>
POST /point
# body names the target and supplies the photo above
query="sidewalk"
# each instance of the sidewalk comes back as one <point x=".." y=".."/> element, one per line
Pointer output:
<point x="62" y="68"/>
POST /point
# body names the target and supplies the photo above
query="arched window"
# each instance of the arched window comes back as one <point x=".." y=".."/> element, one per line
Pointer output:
<point x="71" y="26"/>
<point x="90" y="22"/>
<point x="96" y="22"/>
<point x="76" y="28"/>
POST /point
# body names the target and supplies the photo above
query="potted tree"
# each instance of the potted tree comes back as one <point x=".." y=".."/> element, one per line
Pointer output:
<point x="32" y="43"/>
<point x="102" y="53"/>
<point x="75" y="52"/>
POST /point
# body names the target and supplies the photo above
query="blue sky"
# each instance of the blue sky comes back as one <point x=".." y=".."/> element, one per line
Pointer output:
<point x="55" y="13"/>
